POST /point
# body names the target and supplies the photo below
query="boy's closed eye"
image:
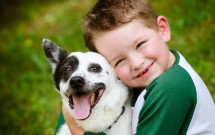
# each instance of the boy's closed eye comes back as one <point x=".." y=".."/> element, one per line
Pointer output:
<point x="138" y="46"/>
<point x="141" y="44"/>
<point x="118" y="62"/>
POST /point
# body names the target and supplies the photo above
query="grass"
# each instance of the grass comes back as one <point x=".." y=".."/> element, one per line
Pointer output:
<point x="29" y="102"/>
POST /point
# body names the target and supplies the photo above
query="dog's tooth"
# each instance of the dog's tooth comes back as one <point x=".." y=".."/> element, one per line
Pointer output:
<point x="92" y="99"/>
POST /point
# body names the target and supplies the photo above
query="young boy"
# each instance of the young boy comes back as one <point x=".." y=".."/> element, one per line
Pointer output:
<point x="170" y="98"/>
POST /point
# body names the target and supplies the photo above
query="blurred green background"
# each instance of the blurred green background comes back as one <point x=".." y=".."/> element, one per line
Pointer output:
<point x="29" y="102"/>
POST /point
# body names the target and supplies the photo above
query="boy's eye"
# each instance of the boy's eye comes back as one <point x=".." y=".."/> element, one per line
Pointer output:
<point x="140" y="44"/>
<point x="118" y="62"/>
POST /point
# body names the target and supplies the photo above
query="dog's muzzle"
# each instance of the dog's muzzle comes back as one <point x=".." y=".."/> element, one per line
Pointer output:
<point x="82" y="99"/>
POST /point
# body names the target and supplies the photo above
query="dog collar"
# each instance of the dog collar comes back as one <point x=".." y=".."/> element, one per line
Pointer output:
<point x="123" y="110"/>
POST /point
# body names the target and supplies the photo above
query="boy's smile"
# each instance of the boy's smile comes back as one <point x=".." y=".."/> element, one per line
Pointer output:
<point x="138" y="53"/>
<point x="145" y="71"/>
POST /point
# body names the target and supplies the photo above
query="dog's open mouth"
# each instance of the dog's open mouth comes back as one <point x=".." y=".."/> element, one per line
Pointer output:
<point x="82" y="103"/>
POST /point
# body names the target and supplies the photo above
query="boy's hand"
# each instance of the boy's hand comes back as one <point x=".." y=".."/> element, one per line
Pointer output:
<point x="73" y="127"/>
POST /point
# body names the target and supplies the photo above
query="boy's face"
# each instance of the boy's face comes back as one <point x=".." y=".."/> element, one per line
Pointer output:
<point x="137" y="53"/>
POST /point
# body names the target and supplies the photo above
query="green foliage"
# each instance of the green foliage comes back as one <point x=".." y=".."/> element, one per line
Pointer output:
<point x="30" y="104"/>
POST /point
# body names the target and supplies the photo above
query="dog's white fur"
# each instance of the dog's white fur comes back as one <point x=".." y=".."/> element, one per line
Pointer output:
<point x="109" y="107"/>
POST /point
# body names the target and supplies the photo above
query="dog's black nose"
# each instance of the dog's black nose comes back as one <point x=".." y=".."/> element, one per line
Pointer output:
<point x="77" y="82"/>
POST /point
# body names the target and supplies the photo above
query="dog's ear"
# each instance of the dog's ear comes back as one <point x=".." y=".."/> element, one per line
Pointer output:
<point x="53" y="52"/>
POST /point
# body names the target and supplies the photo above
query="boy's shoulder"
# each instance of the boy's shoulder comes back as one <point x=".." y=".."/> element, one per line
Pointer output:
<point x="173" y="78"/>
<point x="176" y="78"/>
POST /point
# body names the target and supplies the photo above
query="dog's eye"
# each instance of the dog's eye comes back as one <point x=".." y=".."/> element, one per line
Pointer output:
<point x="95" y="68"/>
<point x="67" y="69"/>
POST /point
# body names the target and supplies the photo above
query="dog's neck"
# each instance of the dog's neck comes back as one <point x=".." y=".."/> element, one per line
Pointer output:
<point x="123" y="110"/>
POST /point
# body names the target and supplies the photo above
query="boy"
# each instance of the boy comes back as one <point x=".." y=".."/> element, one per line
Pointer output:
<point x="170" y="98"/>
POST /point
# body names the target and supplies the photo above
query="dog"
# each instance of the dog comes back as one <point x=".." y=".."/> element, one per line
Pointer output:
<point x="91" y="92"/>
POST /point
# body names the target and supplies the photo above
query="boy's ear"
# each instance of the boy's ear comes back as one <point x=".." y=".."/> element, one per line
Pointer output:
<point x="53" y="52"/>
<point x="164" y="28"/>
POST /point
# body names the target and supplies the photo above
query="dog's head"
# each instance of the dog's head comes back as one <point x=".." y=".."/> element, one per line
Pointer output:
<point x="81" y="78"/>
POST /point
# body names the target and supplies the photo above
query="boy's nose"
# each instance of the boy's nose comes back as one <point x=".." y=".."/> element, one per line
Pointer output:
<point x="136" y="63"/>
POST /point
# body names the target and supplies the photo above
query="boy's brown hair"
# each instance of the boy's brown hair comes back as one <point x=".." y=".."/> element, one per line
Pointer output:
<point x="109" y="14"/>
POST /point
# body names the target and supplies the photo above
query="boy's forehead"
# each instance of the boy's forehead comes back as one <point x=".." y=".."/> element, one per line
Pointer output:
<point x="124" y="34"/>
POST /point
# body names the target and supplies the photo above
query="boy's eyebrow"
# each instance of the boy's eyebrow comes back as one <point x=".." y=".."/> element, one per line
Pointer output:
<point x="114" y="59"/>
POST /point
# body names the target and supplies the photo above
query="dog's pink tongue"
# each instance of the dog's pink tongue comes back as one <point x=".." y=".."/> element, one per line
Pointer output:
<point x="81" y="106"/>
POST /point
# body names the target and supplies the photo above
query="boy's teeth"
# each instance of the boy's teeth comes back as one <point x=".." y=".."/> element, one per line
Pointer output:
<point x="143" y="72"/>
<point x="92" y="99"/>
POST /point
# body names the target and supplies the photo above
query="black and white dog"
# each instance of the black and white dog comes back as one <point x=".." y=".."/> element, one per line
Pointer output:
<point x="90" y="91"/>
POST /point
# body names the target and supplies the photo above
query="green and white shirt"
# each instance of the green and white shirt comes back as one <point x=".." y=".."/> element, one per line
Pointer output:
<point x="175" y="103"/>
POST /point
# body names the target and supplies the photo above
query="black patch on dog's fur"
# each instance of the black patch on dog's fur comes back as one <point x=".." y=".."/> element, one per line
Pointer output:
<point x="64" y="69"/>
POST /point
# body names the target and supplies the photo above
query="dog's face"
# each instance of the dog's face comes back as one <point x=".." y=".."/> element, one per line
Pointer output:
<point x="81" y="78"/>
